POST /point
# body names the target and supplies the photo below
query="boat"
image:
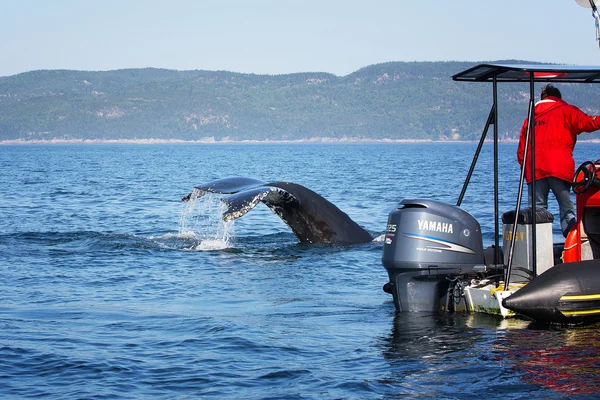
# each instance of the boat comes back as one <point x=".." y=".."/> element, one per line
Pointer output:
<point x="433" y="252"/>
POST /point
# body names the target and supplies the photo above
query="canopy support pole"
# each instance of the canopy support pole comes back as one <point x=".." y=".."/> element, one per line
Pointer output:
<point x="490" y="121"/>
<point x="529" y="139"/>
<point x="496" y="188"/>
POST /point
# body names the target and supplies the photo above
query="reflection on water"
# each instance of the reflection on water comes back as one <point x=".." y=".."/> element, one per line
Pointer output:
<point x="564" y="360"/>
<point x="484" y="356"/>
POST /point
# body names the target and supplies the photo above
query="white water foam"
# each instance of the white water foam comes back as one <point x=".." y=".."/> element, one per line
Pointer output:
<point x="379" y="239"/>
<point x="202" y="221"/>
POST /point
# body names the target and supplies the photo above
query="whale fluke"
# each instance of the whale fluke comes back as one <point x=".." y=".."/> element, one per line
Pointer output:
<point x="312" y="218"/>
<point x="240" y="203"/>
<point x="225" y="186"/>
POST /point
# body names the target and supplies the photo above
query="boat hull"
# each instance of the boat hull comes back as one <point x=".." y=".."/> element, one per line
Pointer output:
<point x="487" y="299"/>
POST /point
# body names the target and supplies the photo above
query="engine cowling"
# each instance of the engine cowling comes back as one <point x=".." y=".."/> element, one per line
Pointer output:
<point x="427" y="242"/>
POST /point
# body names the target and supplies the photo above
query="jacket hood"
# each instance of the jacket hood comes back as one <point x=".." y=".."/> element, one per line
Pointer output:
<point x="549" y="103"/>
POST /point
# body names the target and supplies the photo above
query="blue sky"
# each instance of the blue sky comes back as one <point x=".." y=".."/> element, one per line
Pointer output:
<point x="279" y="36"/>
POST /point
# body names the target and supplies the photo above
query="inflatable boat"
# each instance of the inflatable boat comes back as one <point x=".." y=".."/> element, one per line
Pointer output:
<point x="433" y="252"/>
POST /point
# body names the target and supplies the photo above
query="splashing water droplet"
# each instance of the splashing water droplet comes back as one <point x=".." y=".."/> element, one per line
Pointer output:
<point x="203" y="218"/>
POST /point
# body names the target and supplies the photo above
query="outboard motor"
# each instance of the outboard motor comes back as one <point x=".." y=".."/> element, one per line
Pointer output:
<point x="428" y="244"/>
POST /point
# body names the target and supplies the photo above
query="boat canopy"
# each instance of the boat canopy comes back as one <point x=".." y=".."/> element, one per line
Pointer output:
<point x="522" y="73"/>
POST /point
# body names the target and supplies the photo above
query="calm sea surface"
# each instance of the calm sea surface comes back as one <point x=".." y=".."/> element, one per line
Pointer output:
<point x="110" y="287"/>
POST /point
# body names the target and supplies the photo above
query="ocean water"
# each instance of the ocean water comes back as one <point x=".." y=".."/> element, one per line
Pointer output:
<point x="110" y="287"/>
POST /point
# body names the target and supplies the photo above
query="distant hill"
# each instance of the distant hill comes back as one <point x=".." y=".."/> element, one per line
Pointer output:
<point x="395" y="100"/>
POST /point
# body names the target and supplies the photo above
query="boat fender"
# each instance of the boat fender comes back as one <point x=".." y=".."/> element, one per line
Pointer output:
<point x="571" y="252"/>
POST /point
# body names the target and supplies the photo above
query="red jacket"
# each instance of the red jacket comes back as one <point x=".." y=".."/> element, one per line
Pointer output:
<point x="557" y="125"/>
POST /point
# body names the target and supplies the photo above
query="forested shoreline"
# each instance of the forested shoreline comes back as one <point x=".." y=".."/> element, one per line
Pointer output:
<point x="395" y="101"/>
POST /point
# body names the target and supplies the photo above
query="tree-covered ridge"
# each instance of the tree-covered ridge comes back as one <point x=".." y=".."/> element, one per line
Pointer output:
<point x="395" y="100"/>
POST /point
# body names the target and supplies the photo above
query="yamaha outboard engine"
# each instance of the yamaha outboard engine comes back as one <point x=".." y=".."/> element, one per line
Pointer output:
<point x="427" y="245"/>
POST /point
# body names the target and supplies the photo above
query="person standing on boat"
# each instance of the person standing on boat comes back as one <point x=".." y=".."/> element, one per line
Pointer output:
<point x="557" y="125"/>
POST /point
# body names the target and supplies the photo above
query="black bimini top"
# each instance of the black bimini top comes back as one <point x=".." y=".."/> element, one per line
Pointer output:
<point x="522" y="73"/>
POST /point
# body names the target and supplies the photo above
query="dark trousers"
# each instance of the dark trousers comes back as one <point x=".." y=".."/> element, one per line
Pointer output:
<point x="560" y="189"/>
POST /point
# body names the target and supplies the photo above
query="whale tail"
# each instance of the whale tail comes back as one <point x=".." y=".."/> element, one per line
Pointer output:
<point x="312" y="218"/>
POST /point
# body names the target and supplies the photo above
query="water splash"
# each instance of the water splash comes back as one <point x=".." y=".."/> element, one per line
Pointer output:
<point x="202" y="220"/>
<point x="379" y="239"/>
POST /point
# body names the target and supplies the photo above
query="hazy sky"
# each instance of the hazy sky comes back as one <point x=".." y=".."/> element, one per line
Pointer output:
<point x="285" y="36"/>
